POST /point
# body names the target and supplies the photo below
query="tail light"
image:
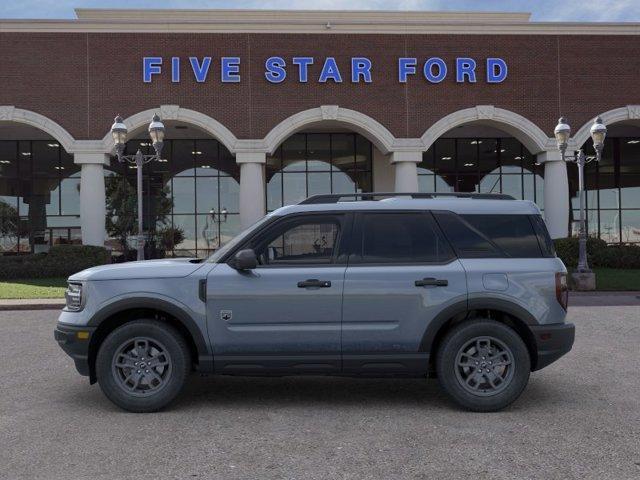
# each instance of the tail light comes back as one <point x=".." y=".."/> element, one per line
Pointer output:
<point x="562" y="289"/>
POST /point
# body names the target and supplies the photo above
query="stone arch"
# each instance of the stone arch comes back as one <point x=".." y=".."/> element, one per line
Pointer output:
<point x="363" y="124"/>
<point x="629" y="112"/>
<point x="528" y="133"/>
<point x="9" y="113"/>
<point x="177" y="113"/>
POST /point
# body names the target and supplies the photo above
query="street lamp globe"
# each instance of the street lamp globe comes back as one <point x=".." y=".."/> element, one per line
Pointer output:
<point x="156" y="132"/>
<point x="598" y="134"/>
<point x="119" y="134"/>
<point x="562" y="133"/>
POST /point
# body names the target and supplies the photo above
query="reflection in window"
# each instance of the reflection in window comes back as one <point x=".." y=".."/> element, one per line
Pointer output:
<point x="312" y="242"/>
<point x="485" y="165"/>
<point x="314" y="163"/>
<point x="613" y="192"/>
<point x="191" y="197"/>
<point x="39" y="196"/>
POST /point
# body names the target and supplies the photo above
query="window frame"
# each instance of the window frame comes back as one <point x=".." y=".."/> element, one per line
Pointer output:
<point x="356" y="246"/>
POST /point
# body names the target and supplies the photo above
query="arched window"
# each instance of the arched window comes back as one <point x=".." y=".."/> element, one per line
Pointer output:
<point x="612" y="188"/>
<point x="191" y="197"/>
<point x="39" y="196"/>
<point x="485" y="165"/>
<point x="313" y="163"/>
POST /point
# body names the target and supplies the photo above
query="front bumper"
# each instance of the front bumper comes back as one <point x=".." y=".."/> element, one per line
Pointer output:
<point x="552" y="341"/>
<point x="75" y="340"/>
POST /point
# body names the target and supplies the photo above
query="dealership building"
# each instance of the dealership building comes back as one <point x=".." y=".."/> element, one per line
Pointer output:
<point x="264" y="108"/>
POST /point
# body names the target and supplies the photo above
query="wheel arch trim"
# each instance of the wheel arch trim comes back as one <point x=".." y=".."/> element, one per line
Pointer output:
<point x="466" y="306"/>
<point x="179" y="312"/>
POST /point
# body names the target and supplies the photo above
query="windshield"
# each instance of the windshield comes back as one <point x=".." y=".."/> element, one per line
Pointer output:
<point x="235" y="241"/>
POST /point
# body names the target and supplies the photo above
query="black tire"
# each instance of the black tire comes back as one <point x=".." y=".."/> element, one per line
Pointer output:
<point x="458" y="351"/>
<point x="134" y="390"/>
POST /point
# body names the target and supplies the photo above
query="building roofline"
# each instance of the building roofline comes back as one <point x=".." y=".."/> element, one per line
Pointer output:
<point x="312" y="21"/>
<point x="251" y="15"/>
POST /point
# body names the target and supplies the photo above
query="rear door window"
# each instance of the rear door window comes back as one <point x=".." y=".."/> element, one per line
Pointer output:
<point x="402" y="238"/>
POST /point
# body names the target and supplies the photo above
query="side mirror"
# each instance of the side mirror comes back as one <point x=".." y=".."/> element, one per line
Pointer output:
<point x="245" y="260"/>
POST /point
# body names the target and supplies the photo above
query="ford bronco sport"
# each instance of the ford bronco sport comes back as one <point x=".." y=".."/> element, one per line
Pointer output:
<point x="465" y="287"/>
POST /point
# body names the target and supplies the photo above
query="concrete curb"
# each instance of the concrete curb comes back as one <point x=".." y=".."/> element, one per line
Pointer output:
<point x="32" y="304"/>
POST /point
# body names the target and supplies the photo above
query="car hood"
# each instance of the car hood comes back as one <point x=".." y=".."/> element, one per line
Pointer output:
<point x="165" y="268"/>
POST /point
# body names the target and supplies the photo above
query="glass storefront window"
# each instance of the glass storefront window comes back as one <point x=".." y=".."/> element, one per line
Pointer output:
<point x="486" y="165"/>
<point x="315" y="163"/>
<point x="613" y="191"/>
<point x="39" y="196"/>
<point x="190" y="197"/>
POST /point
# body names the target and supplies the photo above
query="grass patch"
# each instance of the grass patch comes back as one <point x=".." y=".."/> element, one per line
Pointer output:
<point x="615" y="279"/>
<point x="33" y="288"/>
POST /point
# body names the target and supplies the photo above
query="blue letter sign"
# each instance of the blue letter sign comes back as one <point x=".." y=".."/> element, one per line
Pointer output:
<point x="200" y="71"/>
<point x="428" y="70"/>
<point x="150" y="66"/>
<point x="496" y="70"/>
<point x="303" y="67"/>
<point x="330" y="71"/>
<point x="360" y="67"/>
<point x="275" y="69"/>
<point x="230" y="69"/>
<point x="435" y="69"/>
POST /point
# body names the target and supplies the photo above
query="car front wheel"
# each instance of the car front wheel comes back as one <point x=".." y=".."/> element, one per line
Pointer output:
<point x="143" y="365"/>
<point x="483" y="365"/>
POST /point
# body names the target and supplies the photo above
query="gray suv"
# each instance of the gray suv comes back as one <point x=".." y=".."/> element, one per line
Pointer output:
<point x="465" y="287"/>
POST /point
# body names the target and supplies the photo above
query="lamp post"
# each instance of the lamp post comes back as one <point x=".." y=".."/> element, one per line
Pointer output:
<point x="119" y="133"/>
<point x="209" y="230"/>
<point x="562" y="133"/>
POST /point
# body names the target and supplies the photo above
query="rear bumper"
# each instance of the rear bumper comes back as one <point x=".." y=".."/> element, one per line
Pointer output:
<point x="552" y="341"/>
<point x="77" y="347"/>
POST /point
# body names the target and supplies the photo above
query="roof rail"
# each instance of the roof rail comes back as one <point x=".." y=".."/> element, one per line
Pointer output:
<point x="337" y="197"/>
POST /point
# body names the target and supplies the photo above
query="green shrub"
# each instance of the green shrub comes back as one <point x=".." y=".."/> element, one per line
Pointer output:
<point x="617" y="256"/>
<point x="60" y="261"/>
<point x="567" y="249"/>
<point x="599" y="254"/>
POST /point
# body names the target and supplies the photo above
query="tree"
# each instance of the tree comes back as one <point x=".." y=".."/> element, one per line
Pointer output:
<point x="10" y="226"/>
<point x="122" y="212"/>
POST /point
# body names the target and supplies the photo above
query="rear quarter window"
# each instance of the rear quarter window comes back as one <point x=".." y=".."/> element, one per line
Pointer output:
<point x="513" y="234"/>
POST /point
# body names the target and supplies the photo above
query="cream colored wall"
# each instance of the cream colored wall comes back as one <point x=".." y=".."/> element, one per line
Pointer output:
<point x="384" y="175"/>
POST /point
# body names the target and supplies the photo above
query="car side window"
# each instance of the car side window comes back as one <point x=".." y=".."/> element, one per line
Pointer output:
<point x="403" y="238"/>
<point x="467" y="240"/>
<point x="514" y="234"/>
<point x="301" y="243"/>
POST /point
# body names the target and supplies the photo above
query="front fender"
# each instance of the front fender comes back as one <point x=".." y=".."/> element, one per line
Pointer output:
<point x="195" y="323"/>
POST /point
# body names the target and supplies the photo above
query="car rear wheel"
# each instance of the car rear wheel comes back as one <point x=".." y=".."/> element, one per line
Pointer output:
<point x="483" y="365"/>
<point x="143" y="365"/>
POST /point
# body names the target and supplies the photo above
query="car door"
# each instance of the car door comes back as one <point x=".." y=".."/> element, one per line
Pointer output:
<point x="284" y="315"/>
<point x="402" y="272"/>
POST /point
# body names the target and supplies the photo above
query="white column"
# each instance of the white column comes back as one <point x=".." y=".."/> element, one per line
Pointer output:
<point x="556" y="194"/>
<point x="92" y="197"/>
<point x="406" y="166"/>
<point x="252" y="188"/>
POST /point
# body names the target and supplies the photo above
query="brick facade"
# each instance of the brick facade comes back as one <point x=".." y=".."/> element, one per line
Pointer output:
<point x="81" y="80"/>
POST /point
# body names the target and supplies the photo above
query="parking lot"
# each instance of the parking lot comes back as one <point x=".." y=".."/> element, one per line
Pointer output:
<point x="579" y="418"/>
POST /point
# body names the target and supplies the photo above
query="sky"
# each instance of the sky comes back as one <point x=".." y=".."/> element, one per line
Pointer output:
<point x="542" y="10"/>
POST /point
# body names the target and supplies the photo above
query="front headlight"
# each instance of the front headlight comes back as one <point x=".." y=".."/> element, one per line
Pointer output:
<point x="73" y="296"/>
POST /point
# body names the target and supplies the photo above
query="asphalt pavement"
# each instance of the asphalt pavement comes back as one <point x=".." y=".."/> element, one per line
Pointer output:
<point x="579" y="418"/>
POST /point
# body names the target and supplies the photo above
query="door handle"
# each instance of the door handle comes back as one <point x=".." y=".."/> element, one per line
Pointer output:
<point x="431" y="282"/>
<point x="312" y="282"/>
